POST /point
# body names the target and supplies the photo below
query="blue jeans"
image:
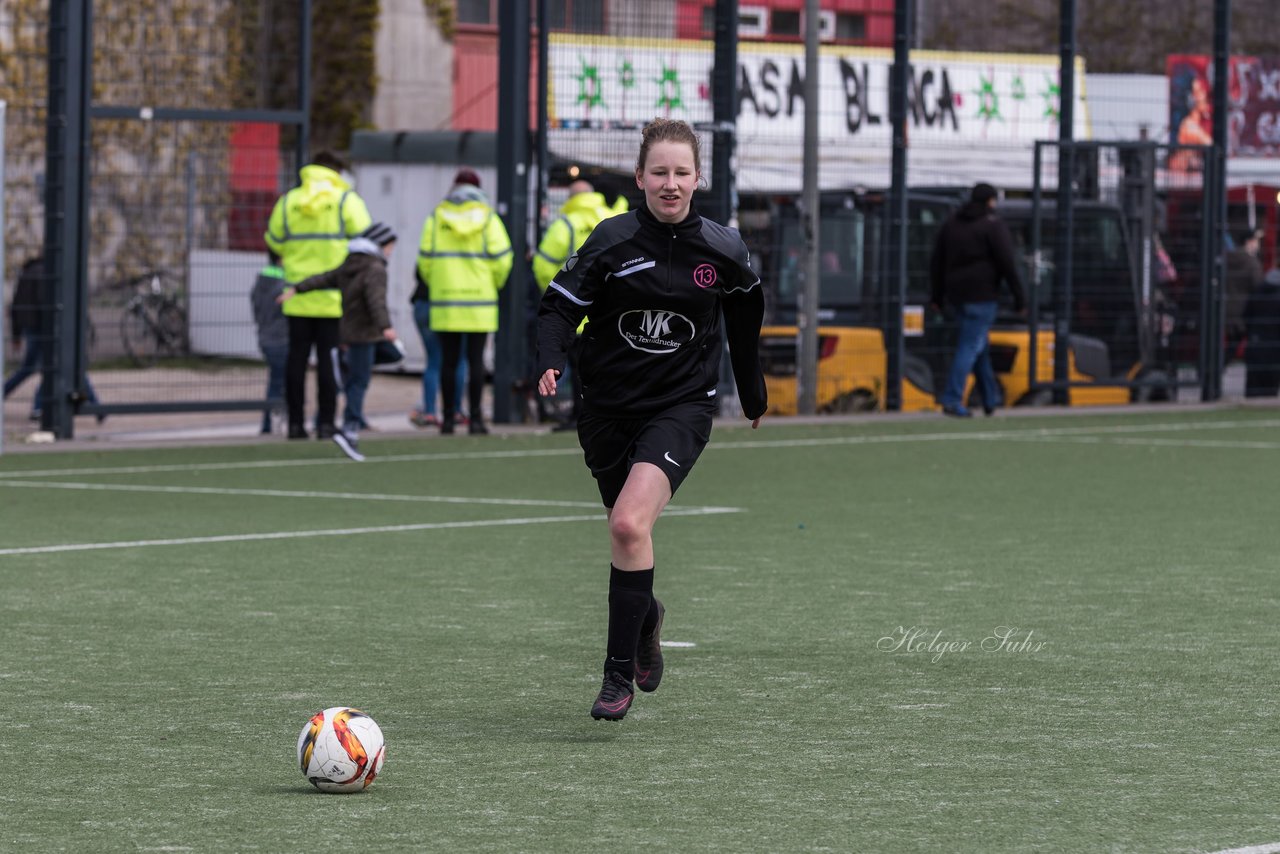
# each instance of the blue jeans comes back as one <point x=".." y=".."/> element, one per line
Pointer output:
<point x="276" y="355"/>
<point x="972" y="355"/>
<point x="435" y="357"/>
<point x="31" y="362"/>
<point x="356" y="384"/>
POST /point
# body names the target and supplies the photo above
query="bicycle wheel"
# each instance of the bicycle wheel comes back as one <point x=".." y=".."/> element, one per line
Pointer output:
<point x="171" y="329"/>
<point x="136" y="334"/>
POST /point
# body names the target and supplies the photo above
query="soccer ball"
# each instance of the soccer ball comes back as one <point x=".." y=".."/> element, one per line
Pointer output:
<point x="341" y="750"/>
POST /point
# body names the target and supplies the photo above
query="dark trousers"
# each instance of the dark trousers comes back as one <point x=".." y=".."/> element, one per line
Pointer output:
<point x="451" y="347"/>
<point x="1262" y="376"/>
<point x="276" y="356"/>
<point x="322" y="334"/>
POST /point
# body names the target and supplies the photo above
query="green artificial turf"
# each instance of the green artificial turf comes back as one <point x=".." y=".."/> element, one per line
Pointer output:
<point x="1051" y="634"/>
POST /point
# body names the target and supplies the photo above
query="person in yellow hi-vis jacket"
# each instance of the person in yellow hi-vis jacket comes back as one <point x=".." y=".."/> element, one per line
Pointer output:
<point x="464" y="258"/>
<point x="309" y="229"/>
<point x="582" y="212"/>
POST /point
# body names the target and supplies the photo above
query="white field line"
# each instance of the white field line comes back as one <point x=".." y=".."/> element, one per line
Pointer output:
<point x="1266" y="848"/>
<point x="289" y="493"/>
<point x="343" y="532"/>
<point x="886" y="438"/>
<point x="1153" y="441"/>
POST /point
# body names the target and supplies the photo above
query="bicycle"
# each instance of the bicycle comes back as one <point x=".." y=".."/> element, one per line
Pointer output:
<point x="154" y="322"/>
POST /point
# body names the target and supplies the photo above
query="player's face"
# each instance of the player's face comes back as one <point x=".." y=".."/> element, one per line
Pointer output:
<point x="668" y="179"/>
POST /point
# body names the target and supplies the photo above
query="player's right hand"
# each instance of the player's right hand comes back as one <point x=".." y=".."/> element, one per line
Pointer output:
<point x="547" y="382"/>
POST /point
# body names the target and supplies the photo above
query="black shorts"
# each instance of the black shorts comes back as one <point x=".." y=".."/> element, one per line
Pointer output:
<point x="671" y="439"/>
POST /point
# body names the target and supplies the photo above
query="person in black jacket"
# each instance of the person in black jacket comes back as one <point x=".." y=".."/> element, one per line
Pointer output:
<point x="972" y="254"/>
<point x="26" y="313"/>
<point x="1262" y="347"/>
<point x="654" y="283"/>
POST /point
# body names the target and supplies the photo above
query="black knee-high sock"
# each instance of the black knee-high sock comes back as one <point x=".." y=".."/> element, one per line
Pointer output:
<point x="630" y="598"/>
<point x="650" y="621"/>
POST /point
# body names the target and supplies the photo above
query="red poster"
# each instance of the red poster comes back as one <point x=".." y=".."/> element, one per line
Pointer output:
<point x="1253" y="99"/>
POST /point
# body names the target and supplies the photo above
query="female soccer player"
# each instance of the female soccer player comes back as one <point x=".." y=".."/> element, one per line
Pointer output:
<point x="654" y="284"/>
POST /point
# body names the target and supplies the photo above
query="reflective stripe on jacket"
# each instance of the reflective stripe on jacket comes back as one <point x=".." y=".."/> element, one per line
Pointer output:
<point x="464" y="256"/>
<point x="309" y="229"/>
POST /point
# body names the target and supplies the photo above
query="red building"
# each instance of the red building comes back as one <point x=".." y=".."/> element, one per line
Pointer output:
<point x="865" y="23"/>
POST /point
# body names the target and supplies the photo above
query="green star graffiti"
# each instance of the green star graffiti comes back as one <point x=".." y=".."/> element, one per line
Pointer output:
<point x="1052" y="94"/>
<point x="589" y="85"/>
<point x="669" y="86"/>
<point x="626" y="74"/>
<point x="988" y="100"/>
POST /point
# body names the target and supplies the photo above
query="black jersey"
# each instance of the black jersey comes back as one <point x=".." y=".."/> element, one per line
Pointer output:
<point x="653" y="293"/>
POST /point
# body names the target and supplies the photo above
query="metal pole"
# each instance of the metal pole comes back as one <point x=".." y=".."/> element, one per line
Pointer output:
<point x="724" y="97"/>
<point x="544" y="168"/>
<point x="303" y="142"/>
<point x="807" y="316"/>
<point x="1066" y="211"/>
<point x="513" y="201"/>
<point x="66" y="159"/>
<point x="1037" y="255"/>
<point x="1209" y="253"/>
<point x="1217" y="164"/>
<point x="899" y="79"/>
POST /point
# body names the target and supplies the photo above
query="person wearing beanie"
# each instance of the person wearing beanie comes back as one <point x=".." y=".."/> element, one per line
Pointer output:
<point x="972" y="255"/>
<point x="361" y="282"/>
<point x="309" y="229"/>
<point x="464" y="258"/>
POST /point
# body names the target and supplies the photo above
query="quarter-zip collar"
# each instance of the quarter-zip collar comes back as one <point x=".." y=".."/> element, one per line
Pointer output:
<point x="684" y="228"/>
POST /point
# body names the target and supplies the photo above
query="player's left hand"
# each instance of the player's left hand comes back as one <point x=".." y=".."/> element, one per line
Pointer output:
<point x="755" y="423"/>
<point x="547" y="382"/>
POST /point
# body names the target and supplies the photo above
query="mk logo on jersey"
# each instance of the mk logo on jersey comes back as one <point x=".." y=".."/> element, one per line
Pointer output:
<point x="655" y="330"/>
<point x="656" y="324"/>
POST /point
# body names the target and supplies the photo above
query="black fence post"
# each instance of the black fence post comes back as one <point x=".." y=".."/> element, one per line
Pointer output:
<point x="513" y="201"/>
<point x="724" y="105"/>
<point x="899" y="80"/>
<point x="1217" y="169"/>
<point x="66" y="212"/>
<point x="1066" y="210"/>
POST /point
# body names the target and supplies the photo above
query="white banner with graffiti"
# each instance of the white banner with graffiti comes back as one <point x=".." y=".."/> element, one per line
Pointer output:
<point x="962" y="107"/>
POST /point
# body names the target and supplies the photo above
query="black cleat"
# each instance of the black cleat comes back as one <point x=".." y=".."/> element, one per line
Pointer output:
<point x="326" y="431"/>
<point x="649" y="656"/>
<point x="614" y="698"/>
<point x="477" y="428"/>
<point x="297" y="431"/>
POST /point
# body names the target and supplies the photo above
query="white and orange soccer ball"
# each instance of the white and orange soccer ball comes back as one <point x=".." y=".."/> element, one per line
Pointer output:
<point x="341" y="750"/>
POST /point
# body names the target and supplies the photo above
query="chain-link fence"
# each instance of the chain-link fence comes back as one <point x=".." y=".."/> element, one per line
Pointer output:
<point x="1139" y="246"/>
<point x="192" y="133"/>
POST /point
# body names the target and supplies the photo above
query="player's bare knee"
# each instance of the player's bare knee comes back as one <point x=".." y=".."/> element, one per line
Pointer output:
<point x="627" y="530"/>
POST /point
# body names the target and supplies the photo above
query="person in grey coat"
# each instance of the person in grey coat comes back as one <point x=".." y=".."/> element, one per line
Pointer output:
<point x="273" y="332"/>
